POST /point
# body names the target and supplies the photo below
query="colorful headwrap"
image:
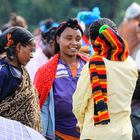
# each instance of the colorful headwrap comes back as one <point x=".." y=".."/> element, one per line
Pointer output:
<point x="111" y="46"/>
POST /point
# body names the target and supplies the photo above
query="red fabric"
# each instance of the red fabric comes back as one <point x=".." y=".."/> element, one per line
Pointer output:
<point x="85" y="39"/>
<point x="45" y="76"/>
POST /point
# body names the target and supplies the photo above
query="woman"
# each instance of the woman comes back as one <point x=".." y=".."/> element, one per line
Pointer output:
<point x="56" y="82"/>
<point x="102" y="100"/>
<point x="19" y="99"/>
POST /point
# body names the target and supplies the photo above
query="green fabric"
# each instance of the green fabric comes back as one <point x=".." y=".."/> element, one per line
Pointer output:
<point x="102" y="28"/>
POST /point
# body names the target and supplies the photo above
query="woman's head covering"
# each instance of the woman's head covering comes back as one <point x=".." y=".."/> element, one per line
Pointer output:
<point x="95" y="26"/>
<point x="89" y="16"/>
<point x="107" y="44"/>
<point x="10" y="37"/>
<point x="132" y="11"/>
<point x="44" y="26"/>
<point x="72" y="23"/>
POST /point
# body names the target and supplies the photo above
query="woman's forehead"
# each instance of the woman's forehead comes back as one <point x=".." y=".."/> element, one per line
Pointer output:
<point x="32" y="43"/>
<point x="71" y="31"/>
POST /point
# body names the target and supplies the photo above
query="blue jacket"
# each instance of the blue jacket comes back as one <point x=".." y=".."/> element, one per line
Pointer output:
<point x="48" y="117"/>
<point x="10" y="79"/>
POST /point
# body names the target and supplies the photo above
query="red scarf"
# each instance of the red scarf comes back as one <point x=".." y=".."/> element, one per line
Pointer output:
<point x="45" y="77"/>
<point x="111" y="46"/>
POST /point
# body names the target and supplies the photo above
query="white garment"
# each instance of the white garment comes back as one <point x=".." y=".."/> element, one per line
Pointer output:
<point x="37" y="61"/>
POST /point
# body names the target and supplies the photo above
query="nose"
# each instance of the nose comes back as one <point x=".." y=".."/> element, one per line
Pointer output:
<point x="31" y="55"/>
<point x="74" y="42"/>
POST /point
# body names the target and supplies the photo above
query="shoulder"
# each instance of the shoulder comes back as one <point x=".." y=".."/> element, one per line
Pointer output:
<point x="131" y="61"/>
<point x="85" y="70"/>
<point x="48" y="69"/>
<point x="3" y="69"/>
<point x="83" y="57"/>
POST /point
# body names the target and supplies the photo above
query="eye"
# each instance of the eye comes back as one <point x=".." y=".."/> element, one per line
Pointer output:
<point x="78" y="39"/>
<point x="33" y="50"/>
<point x="69" y="38"/>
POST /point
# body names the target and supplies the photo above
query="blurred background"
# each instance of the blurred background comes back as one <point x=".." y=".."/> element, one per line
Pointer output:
<point x="35" y="11"/>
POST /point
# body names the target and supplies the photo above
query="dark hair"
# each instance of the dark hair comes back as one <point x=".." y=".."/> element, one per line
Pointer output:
<point x="139" y="24"/>
<point x="49" y="35"/>
<point x="72" y="23"/>
<point x="95" y="26"/>
<point x="5" y="27"/>
<point x="46" y="25"/>
<point x="12" y="36"/>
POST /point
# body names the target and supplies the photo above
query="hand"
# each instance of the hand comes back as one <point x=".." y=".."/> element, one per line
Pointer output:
<point x="77" y="128"/>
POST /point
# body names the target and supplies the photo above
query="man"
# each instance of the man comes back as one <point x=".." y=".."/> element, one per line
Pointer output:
<point x="128" y="28"/>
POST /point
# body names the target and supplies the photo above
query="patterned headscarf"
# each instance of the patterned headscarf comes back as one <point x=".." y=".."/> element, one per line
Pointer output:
<point x="110" y="45"/>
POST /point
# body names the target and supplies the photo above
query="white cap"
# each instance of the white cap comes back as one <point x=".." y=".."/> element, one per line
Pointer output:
<point x="132" y="11"/>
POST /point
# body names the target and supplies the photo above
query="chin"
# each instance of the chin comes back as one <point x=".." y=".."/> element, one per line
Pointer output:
<point x="24" y="64"/>
<point x="73" y="53"/>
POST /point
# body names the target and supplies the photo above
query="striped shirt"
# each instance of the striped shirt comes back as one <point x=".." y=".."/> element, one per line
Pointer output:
<point x="14" y="130"/>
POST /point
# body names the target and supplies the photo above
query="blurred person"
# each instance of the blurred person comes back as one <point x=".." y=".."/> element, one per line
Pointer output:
<point x="17" y="20"/>
<point x="19" y="98"/>
<point x="137" y="59"/>
<point x="135" y="106"/>
<point x="14" y="130"/>
<point x="85" y="18"/>
<point x="102" y="100"/>
<point x="56" y="82"/>
<point x="135" y="113"/>
<point x="128" y="28"/>
<point x="44" y="26"/>
<point x="43" y="53"/>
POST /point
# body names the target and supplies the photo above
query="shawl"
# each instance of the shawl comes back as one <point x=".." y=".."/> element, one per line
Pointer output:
<point x="23" y="106"/>
<point x="112" y="47"/>
<point x="45" y="76"/>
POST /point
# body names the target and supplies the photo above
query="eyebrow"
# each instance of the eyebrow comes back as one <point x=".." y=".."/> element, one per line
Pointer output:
<point x="72" y="36"/>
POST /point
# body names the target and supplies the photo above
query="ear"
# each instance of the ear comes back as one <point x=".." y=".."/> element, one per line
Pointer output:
<point x="18" y="47"/>
<point x="57" y="39"/>
<point x="51" y="43"/>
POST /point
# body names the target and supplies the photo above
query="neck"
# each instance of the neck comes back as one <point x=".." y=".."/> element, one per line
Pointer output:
<point x="68" y="59"/>
<point x="13" y="62"/>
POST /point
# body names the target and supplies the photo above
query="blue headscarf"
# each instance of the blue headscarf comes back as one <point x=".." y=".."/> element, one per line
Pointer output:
<point x="89" y="16"/>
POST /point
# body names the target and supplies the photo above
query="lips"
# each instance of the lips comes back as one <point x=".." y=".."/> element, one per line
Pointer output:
<point x="73" y="49"/>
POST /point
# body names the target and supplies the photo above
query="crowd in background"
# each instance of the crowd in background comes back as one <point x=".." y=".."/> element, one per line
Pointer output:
<point x="73" y="80"/>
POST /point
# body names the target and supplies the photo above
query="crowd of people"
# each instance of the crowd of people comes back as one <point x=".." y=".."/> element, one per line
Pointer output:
<point x="74" y="80"/>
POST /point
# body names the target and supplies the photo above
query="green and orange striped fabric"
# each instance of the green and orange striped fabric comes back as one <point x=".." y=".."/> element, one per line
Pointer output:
<point x="112" y="47"/>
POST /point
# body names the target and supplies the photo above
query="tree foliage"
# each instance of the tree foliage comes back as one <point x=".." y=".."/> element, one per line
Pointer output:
<point x="36" y="10"/>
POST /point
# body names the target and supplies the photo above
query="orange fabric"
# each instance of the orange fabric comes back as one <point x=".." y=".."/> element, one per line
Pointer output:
<point x="74" y="70"/>
<point x="66" y="137"/>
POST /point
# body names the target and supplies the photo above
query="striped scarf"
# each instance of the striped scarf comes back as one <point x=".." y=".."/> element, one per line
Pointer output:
<point x="112" y="47"/>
